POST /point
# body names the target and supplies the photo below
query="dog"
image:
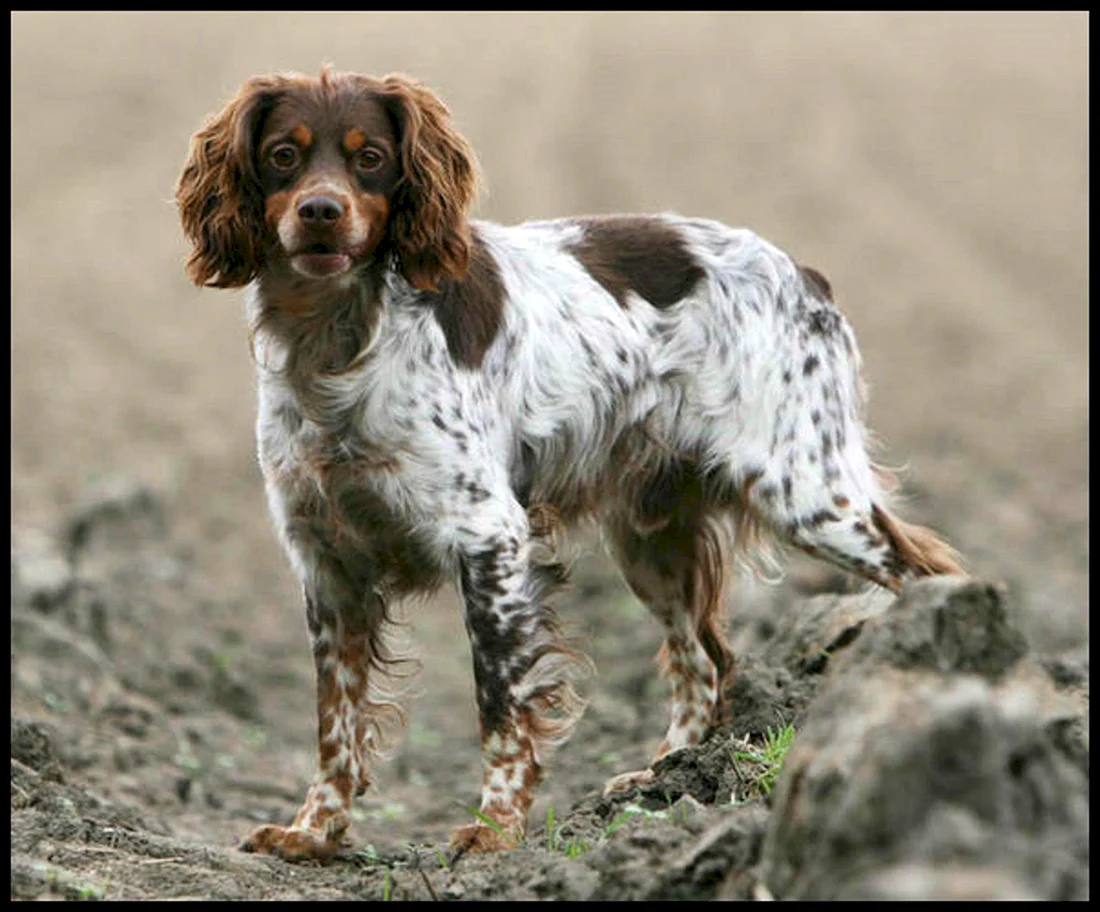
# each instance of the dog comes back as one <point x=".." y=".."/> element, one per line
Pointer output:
<point x="438" y="396"/>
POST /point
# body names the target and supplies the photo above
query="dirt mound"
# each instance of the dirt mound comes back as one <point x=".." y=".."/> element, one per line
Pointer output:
<point x="959" y="764"/>
<point x="937" y="749"/>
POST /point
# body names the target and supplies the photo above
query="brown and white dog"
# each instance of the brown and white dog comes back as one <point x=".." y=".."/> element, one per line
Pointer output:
<point x="438" y="395"/>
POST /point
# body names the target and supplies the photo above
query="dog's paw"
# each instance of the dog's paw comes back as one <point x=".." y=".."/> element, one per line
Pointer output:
<point x="625" y="781"/>
<point x="292" y="843"/>
<point x="477" y="838"/>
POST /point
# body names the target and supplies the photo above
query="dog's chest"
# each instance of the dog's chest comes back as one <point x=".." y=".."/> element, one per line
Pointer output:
<point x="332" y="484"/>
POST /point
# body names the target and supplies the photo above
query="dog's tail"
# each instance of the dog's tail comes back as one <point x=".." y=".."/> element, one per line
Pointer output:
<point x="920" y="551"/>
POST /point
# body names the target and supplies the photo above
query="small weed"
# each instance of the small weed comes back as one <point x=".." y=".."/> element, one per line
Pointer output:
<point x="575" y="848"/>
<point x="553" y="837"/>
<point x="609" y="758"/>
<point x="419" y="736"/>
<point x="629" y="812"/>
<point x="66" y="885"/>
<point x="390" y="811"/>
<point x="555" y="842"/>
<point x="223" y="660"/>
<point x="185" y="756"/>
<point x="383" y="813"/>
<point x="387" y="886"/>
<point x="777" y="742"/>
<point x="55" y="703"/>
<point x="487" y="820"/>
<point x="254" y="736"/>
<point x="88" y="892"/>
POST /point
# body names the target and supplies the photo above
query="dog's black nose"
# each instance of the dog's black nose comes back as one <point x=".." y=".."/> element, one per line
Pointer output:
<point x="320" y="209"/>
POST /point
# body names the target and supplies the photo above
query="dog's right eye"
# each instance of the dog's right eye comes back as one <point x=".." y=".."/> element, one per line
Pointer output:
<point x="284" y="157"/>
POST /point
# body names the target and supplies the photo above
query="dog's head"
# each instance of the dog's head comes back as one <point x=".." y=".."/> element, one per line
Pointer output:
<point x="322" y="175"/>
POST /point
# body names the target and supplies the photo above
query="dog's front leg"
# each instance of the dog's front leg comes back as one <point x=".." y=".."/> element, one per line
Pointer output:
<point x="351" y="718"/>
<point x="523" y="672"/>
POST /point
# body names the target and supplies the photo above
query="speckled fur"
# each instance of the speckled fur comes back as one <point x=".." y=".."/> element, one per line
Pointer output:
<point x="686" y="384"/>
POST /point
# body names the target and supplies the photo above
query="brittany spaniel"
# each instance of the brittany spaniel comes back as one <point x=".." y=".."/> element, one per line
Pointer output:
<point x="438" y="396"/>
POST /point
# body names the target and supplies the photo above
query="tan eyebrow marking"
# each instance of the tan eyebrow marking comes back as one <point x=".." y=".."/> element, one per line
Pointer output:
<point x="302" y="135"/>
<point x="354" y="140"/>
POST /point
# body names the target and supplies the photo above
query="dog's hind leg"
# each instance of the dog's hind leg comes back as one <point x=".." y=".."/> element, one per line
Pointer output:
<point x="677" y="570"/>
<point x="792" y="453"/>
<point x="818" y="490"/>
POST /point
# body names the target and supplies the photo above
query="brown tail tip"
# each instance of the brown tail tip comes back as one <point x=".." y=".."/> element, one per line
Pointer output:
<point x="920" y="551"/>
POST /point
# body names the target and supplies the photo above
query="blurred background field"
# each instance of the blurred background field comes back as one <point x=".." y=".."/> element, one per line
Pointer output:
<point x="934" y="167"/>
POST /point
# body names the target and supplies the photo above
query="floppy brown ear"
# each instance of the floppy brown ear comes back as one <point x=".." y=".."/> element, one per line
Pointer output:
<point x="428" y="229"/>
<point x="218" y="193"/>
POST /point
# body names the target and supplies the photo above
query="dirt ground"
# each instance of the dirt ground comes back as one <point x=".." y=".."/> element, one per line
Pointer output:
<point x="934" y="167"/>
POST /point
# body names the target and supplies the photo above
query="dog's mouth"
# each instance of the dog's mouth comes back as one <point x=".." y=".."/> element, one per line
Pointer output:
<point x="320" y="260"/>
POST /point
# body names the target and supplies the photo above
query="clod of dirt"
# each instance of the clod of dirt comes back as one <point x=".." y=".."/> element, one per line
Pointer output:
<point x="815" y="629"/>
<point x="32" y="744"/>
<point x="931" y="745"/>
<point x="706" y="773"/>
<point x="117" y="513"/>
<point x="41" y="575"/>
<point x="783" y="648"/>
<point x="721" y="863"/>
<point x="945" y="626"/>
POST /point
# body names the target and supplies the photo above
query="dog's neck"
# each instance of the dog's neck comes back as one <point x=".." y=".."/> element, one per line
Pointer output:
<point x="321" y="325"/>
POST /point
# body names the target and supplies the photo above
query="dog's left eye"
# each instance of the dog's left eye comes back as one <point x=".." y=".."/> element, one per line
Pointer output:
<point x="369" y="160"/>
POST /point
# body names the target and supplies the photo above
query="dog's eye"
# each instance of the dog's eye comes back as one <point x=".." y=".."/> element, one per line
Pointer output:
<point x="283" y="157"/>
<point x="369" y="160"/>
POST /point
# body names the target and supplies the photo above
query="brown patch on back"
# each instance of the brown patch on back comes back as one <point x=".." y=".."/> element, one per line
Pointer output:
<point x="302" y="135"/>
<point x="354" y="140"/>
<point x="470" y="310"/>
<point x="640" y="254"/>
<point x="816" y="282"/>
